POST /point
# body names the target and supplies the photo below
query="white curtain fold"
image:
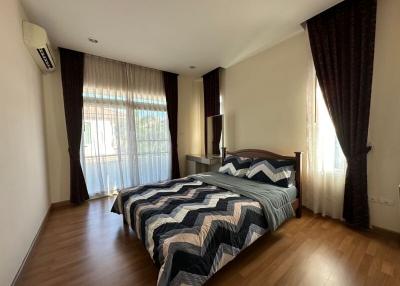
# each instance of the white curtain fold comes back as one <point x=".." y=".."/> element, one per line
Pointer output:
<point x="126" y="139"/>
<point x="326" y="165"/>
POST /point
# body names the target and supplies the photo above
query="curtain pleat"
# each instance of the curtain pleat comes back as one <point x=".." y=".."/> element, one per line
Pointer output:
<point x="342" y="43"/>
<point x="72" y="66"/>
<point x="171" y="92"/>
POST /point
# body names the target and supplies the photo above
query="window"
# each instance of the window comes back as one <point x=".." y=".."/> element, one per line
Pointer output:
<point x="112" y="156"/>
<point x="329" y="153"/>
<point x="125" y="132"/>
<point x="326" y="165"/>
<point x="87" y="134"/>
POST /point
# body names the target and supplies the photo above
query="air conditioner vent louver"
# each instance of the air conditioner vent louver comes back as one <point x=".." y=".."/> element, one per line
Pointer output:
<point x="45" y="58"/>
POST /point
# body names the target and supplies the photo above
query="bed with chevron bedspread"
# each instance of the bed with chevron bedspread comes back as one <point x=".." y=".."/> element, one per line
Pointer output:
<point x="193" y="226"/>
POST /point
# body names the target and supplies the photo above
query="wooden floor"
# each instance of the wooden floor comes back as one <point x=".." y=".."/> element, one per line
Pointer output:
<point x="88" y="245"/>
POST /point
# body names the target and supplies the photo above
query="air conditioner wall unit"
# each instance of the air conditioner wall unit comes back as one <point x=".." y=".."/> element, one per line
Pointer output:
<point x="35" y="38"/>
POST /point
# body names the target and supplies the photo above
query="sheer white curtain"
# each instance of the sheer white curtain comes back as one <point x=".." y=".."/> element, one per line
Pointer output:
<point x="326" y="164"/>
<point x="126" y="139"/>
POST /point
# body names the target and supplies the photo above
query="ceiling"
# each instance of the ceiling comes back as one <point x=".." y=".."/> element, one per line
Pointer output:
<point x="172" y="35"/>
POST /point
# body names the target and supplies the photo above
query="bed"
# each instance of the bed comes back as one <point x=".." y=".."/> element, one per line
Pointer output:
<point x="193" y="226"/>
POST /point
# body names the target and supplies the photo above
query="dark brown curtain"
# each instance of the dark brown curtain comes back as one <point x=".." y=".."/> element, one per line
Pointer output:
<point x="212" y="106"/>
<point x="217" y="128"/>
<point x="171" y="93"/>
<point x="342" y="43"/>
<point x="72" y="63"/>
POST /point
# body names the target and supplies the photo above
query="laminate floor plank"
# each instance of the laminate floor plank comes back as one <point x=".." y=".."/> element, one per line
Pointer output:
<point x="89" y="245"/>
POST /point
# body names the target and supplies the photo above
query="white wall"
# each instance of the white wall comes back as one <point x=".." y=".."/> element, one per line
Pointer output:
<point x="265" y="99"/>
<point x="23" y="186"/>
<point x="384" y="131"/>
<point x="190" y="119"/>
<point x="265" y="107"/>
<point x="56" y="139"/>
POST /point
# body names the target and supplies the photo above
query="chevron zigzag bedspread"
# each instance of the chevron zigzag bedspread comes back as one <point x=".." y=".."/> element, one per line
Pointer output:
<point x="190" y="229"/>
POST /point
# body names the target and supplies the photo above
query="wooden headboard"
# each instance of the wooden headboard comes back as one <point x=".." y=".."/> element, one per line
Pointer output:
<point x="262" y="154"/>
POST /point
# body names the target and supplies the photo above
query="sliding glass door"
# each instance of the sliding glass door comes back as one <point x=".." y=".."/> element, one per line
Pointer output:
<point x="125" y="134"/>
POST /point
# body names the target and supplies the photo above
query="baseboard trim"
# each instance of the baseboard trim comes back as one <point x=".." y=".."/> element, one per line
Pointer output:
<point x="384" y="231"/>
<point x="32" y="246"/>
<point x="52" y="206"/>
<point x="60" y="204"/>
<point x="372" y="228"/>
